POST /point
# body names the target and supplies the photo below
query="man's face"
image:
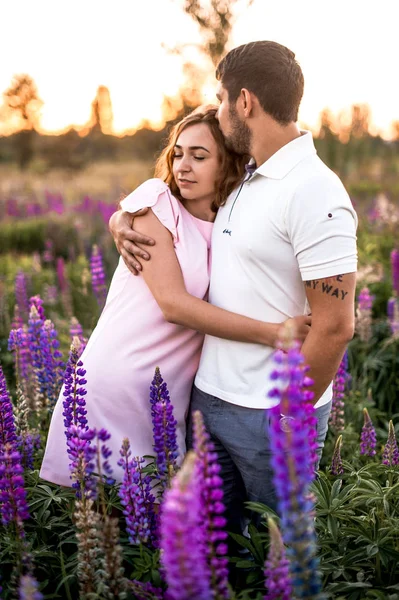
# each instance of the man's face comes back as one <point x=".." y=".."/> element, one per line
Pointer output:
<point x="237" y="135"/>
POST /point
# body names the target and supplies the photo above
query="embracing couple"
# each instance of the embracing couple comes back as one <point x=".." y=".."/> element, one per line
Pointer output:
<point x="242" y="205"/>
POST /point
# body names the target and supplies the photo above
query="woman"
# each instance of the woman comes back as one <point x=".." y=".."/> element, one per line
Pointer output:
<point x="159" y="319"/>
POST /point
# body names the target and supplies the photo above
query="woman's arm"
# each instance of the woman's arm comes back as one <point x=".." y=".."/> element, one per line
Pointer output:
<point x="165" y="280"/>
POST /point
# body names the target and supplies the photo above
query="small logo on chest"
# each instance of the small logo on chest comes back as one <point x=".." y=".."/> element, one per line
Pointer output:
<point x="228" y="231"/>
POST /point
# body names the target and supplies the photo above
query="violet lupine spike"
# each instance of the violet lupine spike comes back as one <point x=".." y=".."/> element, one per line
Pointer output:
<point x="395" y="270"/>
<point x="183" y="553"/>
<point x="277" y="567"/>
<point x="74" y="392"/>
<point x="137" y="499"/>
<point x="21" y="294"/>
<point x="17" y="321"/>
<point x="37" y="302"/>
<point x="363" y="314"/>
<point x="29" y="588"/>
<point x="390" y="456"/>
<point x="53" y="366"/>
<point x="336" y="463"/>
<point x="104" y="452"/>
<point x="18" y="343"/>
<point x="337" y="415"/>
<point x="82" y="456"/>
<point x="62" y="280"/>
<point x="145" y="591"/>
<point x="98" y="280"/>
<point x="164" y="428"/>
<point x="8" y="434"/>
<point x="212" y="508"/>
<point x="368" y="437"/>
<point x="291" y="456"/>
<point x="393" y="316"/>
<point x="13" y="506"/>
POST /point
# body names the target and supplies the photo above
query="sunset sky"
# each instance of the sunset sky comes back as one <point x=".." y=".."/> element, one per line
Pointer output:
<point x="348" y="49"/>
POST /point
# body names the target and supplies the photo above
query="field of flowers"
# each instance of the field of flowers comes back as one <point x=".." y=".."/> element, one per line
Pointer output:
<point x="161" y="533"/>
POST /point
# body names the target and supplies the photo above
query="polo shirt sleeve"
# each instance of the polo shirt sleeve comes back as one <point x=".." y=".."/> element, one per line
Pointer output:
<point x="321" y="225"/>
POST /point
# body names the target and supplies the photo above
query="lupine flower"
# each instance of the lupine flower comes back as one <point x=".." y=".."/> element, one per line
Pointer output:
<point x="182" y="537"/>
<point x="87" y="522"/>
<point x="75" y="330"/>
<point x="62" y="282"/>
<point x="337" y="418"/>
<point x="48" y="255"/>
<point x="29" y="588"/>
<point x="395" y="270"/>
<point x="111" y="572"/>
<point x="164" y="428"/>
<point x="137" y="499"/>
<point x="8" y="434"/>
<point x="390" y="456"/>
<point x="37" y="302"/>
<point x="276" y="572"/>
<point x="50" y="294"/>
<point x="17" y="321"/>
<point x="393" y="315"/>
<point x="336" y="464"/>
<point x="145" y="591"/>
<point x="291" y="456"/>
<point x="212" y="507"/>
<point x="13" y="504"/>
<point x="21" y="294"/>
<point x="18" y="344"/>
<point x="74" y="391"/>
<point x="368" y="438"/>
<point x="98" y="280"/>
<point x="82" y="456"/>
<point x="53" y="366"/>
<point x="363" y="314"/>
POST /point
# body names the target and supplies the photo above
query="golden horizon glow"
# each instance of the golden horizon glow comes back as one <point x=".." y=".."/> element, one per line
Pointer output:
<point x="71" y="48"/>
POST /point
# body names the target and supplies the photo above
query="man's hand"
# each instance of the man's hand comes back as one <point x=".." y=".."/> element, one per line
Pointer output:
<point x="126" y="239"/>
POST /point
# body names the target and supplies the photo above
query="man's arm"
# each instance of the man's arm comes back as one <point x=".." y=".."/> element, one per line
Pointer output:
<point x="333" y="317"/>
<point x="127" y="239"/>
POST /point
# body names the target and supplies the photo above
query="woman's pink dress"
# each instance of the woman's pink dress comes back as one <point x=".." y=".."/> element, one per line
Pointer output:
<point x="132" y="338"/>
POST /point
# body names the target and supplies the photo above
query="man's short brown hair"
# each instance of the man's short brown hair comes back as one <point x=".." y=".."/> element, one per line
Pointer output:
<point x="268" y="70"/>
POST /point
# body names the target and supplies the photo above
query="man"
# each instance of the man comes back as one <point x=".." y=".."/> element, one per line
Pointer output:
<point x="284" y="242"/>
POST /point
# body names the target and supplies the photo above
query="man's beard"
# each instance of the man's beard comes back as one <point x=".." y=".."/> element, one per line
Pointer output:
<point x="241" y="136"/>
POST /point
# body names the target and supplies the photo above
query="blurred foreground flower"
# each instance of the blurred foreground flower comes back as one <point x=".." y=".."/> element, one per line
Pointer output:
<point x="29" y="588"/>
<point x="182" y="536"/>
<point x="293" y="465"/>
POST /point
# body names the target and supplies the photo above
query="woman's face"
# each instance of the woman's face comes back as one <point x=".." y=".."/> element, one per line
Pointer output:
<point x="196" y="163"/>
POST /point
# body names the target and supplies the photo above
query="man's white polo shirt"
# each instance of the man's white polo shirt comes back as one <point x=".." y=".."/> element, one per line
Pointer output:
<point x="291" y="221"/>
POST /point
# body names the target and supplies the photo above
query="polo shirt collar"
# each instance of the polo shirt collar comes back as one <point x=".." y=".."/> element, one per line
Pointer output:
<point x="285" y="159"/>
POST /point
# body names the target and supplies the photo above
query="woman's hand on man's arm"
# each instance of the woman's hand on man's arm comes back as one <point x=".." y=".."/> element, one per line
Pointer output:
<point x="127" y="239"/>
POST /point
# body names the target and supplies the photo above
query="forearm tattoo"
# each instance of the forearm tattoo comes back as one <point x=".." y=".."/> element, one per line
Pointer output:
<point x="329" y="286"/>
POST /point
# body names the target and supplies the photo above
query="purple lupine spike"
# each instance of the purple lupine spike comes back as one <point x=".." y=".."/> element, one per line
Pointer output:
<point x="8" y="434"/>
<point x="183" y="552"/>
<point x="37" y="302"/>
<point x="74" y="391"/>
<point x="393" y="315"/>
<point x="18" y="344"/>
<point x="277" y="575"/>
<point x="48" y="255"/>
<point x="395" y="270"/>
<point x="75" y="329"/>
<point x="50" y="295"/>
<point x="137" y="499"/>
<point x="292" y="454"/>
<point x="103" y="453"/>
<point x="13" y="503"/>
<point x="29" y="588"/>
<point x="164" y="428"/>
<point x="52" y="365"/>
<point x="35" y="324"/>
<point x="17" y="321"/>
<point x="337" y="415"/>
<point x="368" y="437"/>
<point x="82" y="456"/>
<point x="212" y="518"/>
<point x="98" y="280"/>
<point x="363" y="314"/>
<point x="145" y="591"/>
<point x="21" y="294"/>
<point x="390" y="456"/>
<point x="336" y="463"/>
<point x="60" y="268"/>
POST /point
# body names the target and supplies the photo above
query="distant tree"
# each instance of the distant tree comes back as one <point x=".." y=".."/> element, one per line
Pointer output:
<point x="329" y="143"/>
<point x="23" y="105"/>
<point x="101" y="111"/>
